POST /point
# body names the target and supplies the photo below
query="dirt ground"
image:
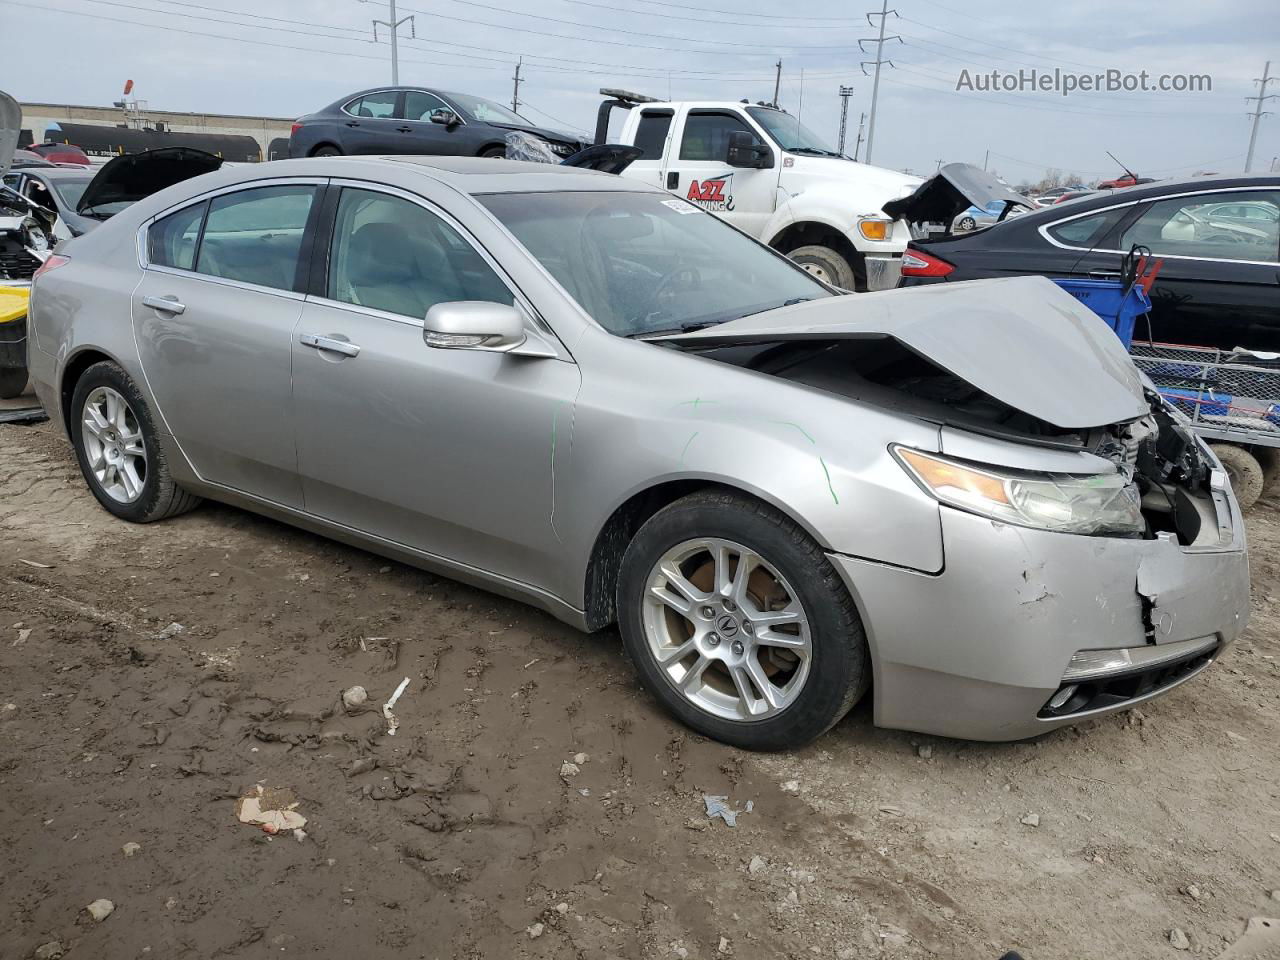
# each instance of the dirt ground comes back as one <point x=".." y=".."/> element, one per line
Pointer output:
<point x="465" y="836"/>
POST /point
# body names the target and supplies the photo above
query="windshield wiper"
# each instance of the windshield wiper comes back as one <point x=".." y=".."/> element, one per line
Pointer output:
<point x="816" y="151"/>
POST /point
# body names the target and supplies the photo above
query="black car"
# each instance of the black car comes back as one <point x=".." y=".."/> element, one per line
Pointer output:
<point x="397" y="120"/>
<point x="1219" y="238"/>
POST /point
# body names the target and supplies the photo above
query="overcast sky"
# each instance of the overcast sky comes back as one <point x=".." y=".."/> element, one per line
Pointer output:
<point x="287" y="57"/>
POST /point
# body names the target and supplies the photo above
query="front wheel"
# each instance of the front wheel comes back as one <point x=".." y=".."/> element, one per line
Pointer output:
<point x="825" y="264"/>
<point x="739" y="625"/>
<point x="118" y="451"/>
<point x="494" y="153"/>
<point x="967" y="223"/>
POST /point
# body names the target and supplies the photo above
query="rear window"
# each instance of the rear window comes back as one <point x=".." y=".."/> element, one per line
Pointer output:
<point x="1083" y="231"/>
<point x="171" y="241"/>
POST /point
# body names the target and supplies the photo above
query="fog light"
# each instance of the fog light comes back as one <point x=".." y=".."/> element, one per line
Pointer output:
<point x="1060" y="698"/>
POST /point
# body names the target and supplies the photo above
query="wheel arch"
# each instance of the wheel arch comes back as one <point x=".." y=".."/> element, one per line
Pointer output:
<point x="803" y="233"/>
<point x="325" y="143"/>
<point x="615" y="535"/>
<point x="72" y="371"/>
<point x="491" y="145"/>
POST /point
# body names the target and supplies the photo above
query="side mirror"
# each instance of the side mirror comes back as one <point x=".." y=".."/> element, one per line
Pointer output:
<point x="745" y="150"/>
<point x="473" y="325"/>
<point x="447" y="117"/>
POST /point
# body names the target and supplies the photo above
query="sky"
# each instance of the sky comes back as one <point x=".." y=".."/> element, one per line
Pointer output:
<point x="288" y="57"/>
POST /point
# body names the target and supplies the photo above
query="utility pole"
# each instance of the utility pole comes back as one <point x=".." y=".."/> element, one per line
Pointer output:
<point x="858" y="144"/>
<point x="777" y="81"/>
<point x="845" y="94"/>
<point x="938" y="167"/>
<point x="394" y="26"/>
<point x="875" y="85"/>
<point x="515" y="91"/>
<point x="1258" y="112"/>
<point x="985" y="157"/>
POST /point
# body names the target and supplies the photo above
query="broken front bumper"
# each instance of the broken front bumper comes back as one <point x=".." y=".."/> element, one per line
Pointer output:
<point x="981" y="649"/>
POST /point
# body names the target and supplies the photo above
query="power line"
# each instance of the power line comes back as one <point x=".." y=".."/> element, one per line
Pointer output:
<point x="686" y="8"/>
<point x="1001" y="46"/>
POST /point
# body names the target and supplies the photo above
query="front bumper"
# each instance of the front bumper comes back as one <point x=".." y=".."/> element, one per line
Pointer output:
<point x="979" y="650"/>
<point x="883" y="270"/>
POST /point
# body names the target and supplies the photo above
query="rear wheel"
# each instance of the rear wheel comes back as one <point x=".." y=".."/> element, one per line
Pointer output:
<point x="739" y="625"/>
<point x="116" y="445"/>
<point x="825" y="264"/>
<point x="1243" y="469"/>
<point x="327" y="150"/>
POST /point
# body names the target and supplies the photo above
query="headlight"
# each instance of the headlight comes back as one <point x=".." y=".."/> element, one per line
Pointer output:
<point x="1062" y="502"/>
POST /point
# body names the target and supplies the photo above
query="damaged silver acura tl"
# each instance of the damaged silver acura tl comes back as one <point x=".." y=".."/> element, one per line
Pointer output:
<point x="577" y="390"/>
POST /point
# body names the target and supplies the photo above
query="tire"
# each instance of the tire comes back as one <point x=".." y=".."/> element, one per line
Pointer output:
<point x="1269" y="459"/>
<point x="12" y="382"/>
<point x="826" y="264"/>
<point x="820" y="682"/>
<point x="157" y="496"/>
<point x="967" y="223"/>
<point x="326" y="150"/>
<point x="494" y="153"/>
<point x="1244" y="470"/>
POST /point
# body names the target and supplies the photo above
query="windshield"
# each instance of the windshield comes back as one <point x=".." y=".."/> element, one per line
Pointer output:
<point x="641" y="263"/>
<point x="789" y="133"/>
<point x="486" y="110"/>
<point x="69" y="191"/>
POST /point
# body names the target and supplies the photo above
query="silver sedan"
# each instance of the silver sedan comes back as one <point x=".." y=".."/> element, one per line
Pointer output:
<point x="577" y="390"/>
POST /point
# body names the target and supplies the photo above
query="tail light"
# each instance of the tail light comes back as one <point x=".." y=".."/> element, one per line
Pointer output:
<point x="53" y="263"/>
<point x="297" y="125"/>
<point x="917" y="263"/>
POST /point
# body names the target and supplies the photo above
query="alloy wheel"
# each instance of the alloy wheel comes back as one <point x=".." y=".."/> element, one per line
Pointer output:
<point x="726" y="629"/>
<point x="113" y="445"/>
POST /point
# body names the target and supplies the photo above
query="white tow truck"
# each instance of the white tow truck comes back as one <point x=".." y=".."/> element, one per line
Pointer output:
<point x="760" y="169"/>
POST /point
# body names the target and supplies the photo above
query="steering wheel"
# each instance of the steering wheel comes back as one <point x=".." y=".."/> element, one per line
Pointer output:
<point x="681" y="278"/>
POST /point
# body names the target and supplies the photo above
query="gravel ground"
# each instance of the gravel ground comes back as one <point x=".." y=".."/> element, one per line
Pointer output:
<point x="466" y="834"/>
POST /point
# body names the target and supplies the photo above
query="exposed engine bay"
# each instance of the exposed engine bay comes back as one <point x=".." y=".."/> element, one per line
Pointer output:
<point x="1157" y="452"/>
<point x="25" y="231"/>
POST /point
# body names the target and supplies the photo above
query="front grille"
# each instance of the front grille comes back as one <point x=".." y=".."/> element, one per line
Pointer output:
<point x="15" y="262"/>
<point x="1115" y="691"/>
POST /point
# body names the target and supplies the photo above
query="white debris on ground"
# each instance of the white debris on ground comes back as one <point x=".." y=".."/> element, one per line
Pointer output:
<point x="100" y="910"/>
<point x="719" y="807"/>
<point x="272" y="808"/>
<point x="392" y="723"/>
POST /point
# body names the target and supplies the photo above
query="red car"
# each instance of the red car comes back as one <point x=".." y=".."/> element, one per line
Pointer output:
<point x="1128" y="180"/>
<point x="61" y="153"/>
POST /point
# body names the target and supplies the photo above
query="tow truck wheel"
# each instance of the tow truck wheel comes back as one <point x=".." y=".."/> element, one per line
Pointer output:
<point x="1243" y="469"/>
<point x="12" y="380"/>
<point x="825" y="264"/>
<point x="1269" y="458"/>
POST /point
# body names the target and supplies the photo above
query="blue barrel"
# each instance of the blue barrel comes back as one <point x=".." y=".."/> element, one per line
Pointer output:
<point x="1111" y="301"/>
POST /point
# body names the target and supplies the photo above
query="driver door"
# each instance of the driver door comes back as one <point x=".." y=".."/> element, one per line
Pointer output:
<point x="745" y="197"/>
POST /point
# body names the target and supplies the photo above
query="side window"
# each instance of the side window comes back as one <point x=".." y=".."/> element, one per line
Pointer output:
<point x="393" y="255"/>
<point x="11" y="180"/>
<point x="1195" y="227"/>
<point x="1082" y="232"/>
<point x="419" y="105"/>
<point x="375" y="105"/>
<point x="171" y="241"/>
<point x="651" y="133"/>
<point x="255" y="236"/>
<point x="706" y="135"/>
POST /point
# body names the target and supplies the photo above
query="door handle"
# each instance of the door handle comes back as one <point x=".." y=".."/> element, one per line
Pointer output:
<point x="404" y="129"/>
<point x="353" y="123"/>
<point x="344" y="347"/>
<point x="165" y="304"/>
<point x="673" y="180"/>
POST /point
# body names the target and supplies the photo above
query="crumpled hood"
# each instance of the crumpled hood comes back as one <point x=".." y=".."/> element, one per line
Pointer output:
<point x="554" y="136"/>
<point x="135" y="176"/>
<point x="954" y="189"/>
<point x="10" y="125"/>
<point x="1023" y="340"/>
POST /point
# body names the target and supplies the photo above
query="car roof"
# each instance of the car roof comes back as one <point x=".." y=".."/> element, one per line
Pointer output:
<point x="1108" y="196"/>
<point x="61" y="173"/>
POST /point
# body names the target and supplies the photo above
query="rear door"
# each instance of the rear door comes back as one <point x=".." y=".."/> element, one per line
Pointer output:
<point x="213" y="319"/>
<point x="371" y="123"/>
<point x="653" y="139"/>
<point x="1220" y="282"/>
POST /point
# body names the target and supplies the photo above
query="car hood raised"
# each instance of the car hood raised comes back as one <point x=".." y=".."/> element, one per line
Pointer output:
<point x="136" y="176"/>
<point x="1023" y="340"/>
<point x="955" y="188"/>
<point x="10" y="125"/>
